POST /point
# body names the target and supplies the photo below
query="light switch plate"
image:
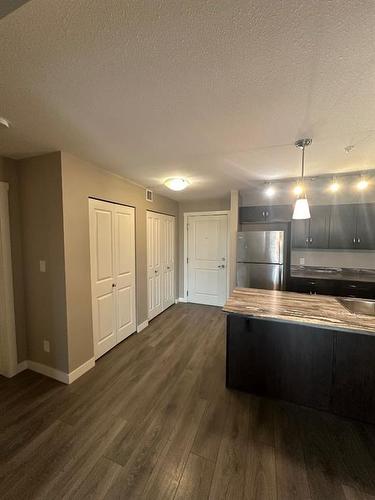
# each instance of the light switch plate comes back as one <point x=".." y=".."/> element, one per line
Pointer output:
<point x="46" y="345"/>
<point x="42" y="266"/>
<point x="302" y="261"/>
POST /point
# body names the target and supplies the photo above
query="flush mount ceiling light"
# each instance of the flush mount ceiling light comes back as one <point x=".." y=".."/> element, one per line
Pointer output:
<point x="301" y="208"/>
<point x="177" y="183"/>
<point x="270" y="191"/>
<point x="4" y="123"/>
<point x="362" y="184"/>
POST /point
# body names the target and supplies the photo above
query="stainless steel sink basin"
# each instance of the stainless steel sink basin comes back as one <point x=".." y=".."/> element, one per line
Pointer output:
<point x="358" y="306"/>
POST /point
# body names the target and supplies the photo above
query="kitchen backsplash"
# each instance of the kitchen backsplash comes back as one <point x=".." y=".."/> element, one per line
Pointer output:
<point x="333" y="258"/>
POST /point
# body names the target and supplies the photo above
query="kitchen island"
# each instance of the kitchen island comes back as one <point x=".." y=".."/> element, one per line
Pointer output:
<point x="308" y="349"/>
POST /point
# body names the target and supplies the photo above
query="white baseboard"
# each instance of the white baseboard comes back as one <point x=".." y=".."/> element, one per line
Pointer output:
<point x="48" y="371"/>
<point x="182" y="299"/>
<point x="142" y="326"/>
<point x="78" y="372"/>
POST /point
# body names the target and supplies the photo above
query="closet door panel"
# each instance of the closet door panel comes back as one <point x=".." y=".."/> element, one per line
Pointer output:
<point x="102" y="276"/>
<point x="155" y="305"/>
<point x="125" y="271"/>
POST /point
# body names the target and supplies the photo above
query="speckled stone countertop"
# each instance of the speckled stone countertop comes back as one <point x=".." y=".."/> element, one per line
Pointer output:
<point x="333" y="273"/>
<point x="319" y="310"/>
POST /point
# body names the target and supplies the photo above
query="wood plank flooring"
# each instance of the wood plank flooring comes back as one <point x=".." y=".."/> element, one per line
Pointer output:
<point x="153" y="420"/>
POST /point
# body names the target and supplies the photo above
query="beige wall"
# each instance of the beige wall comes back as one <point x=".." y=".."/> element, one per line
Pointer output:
<point x="42" y="239"/>
<point x="8" y="173"/>
<point x="81" y="181"/>
<point x="194" y="206"/>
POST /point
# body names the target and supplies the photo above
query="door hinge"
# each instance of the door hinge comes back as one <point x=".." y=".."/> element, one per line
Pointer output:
<point x="187" y="293"/>
<point x="187" y="260"/>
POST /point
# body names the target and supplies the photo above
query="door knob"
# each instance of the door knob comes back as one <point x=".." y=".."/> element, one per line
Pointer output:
<point x="113" y="285"/>
<point x="156" y="271"/>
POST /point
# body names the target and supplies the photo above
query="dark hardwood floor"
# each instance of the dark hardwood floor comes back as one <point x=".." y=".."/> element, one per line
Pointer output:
<point x="153" y="420"/>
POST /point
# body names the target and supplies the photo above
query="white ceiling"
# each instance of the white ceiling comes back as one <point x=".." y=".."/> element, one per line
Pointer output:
<point x="216" y="91"/>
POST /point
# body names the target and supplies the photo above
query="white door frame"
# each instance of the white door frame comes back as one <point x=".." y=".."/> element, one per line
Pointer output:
<point x="8" y="342"/>
<point x="190" y="214"/>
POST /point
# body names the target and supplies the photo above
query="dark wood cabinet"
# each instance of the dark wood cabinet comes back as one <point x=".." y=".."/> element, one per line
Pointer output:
<point x="275" y="213"/>
<point x="308" y="365"/>
<point x="338" y="227"/>
<point x="293" y="364"/>
<point x="365" y="226"/>
<point x="314" y="232"/>
<point x="353" y="393"/>
<point x="343" y="227"/>
<point x="337" y="288"/>
<point x="319" y="226"/>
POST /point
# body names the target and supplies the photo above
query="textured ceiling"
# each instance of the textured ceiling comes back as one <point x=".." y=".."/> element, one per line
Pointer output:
<point x="216" y="91"/>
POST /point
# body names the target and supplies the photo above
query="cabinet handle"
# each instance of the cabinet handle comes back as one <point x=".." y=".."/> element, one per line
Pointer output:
<point x="307" y="240"/>
<point x="263" y="214"/>
<point x="311" y="240"/>
<point x="113" y="285"/>
<point x="156" y="271"/>
<point x="353" y="240"/>
<point x="358" y="240"/>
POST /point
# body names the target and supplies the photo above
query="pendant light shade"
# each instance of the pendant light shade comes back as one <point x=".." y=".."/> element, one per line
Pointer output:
<point x="301" y="208"/>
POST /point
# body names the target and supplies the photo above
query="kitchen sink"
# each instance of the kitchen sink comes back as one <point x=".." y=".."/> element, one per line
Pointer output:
<point x="358" y="306"/>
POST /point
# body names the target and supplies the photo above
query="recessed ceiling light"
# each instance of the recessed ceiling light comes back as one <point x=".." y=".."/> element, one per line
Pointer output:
<point x="270" y="191"/>
<point x="177" y="183"/>
<point x="362" y="184"/>
<point x="4" y="123"/>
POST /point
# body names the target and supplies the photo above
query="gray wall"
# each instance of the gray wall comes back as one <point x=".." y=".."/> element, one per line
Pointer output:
<point x="80" y="181"/>
<point x="43" y="239"/>
<point x="194" y="206"/>
<point x="8" y="173"/>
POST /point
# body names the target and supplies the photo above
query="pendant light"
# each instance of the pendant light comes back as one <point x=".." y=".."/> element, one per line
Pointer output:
<point x="301" y="208"/>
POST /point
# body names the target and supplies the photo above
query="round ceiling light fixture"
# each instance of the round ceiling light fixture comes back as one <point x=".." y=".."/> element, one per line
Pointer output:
<point x="176" y="183"/>
<point x="4" y="123"/>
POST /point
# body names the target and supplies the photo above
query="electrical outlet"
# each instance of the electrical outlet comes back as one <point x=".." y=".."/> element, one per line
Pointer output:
<point x="46" y="345"/>
<point x="42" y="266"/>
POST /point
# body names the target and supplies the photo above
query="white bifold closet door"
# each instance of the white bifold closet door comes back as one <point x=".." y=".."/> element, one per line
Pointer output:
<point x="160" y="262"/>
<point x="112" y="253"/>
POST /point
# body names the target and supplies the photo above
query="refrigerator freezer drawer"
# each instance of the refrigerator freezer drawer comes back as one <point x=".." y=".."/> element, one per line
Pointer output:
<point x="266" y="276"/>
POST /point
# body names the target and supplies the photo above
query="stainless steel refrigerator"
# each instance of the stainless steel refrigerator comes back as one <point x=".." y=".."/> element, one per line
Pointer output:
<point x="261" y="259"/>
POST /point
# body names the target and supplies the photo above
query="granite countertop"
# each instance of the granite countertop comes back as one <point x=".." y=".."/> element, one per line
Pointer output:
<point x="319" y="310"/>
<point x="333" y="273"/>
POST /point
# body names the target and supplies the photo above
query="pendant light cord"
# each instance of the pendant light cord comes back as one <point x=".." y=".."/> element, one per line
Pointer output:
<point x="303" y="162"/>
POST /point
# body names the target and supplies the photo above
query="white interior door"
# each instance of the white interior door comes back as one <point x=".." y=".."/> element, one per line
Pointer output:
<point x="124" y="271"/>
<point x="168" y="225"/>
<point x="112" y="254"/>
<point x="207" y="259"/>
<point x="154" y="268"/>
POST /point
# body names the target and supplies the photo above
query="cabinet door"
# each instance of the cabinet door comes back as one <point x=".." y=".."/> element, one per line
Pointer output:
<point x="319" y="226"/>
<point x="252" y="214"/>
<point x="343" y="227"/>
<point x="353" y="393"/>
<point x="279" y="213"/>
<point x="300" y="233"/>
<point x="365" y="234"/>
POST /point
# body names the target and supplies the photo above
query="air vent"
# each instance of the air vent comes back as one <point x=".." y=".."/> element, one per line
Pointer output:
<point x="149" y="195"/>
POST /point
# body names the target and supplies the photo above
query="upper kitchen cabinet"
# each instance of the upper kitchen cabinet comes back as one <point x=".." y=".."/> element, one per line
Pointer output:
<point x="319" y="226"/>
<point x="343" y="227"/>
<point x="275" y="213"/>
<point x="314" y="232"/>
<point x="365" y="227"/>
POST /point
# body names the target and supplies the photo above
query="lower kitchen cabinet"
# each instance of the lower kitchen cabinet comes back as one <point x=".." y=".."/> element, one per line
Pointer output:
<point x="353" y="393"/>
<point x="339" y="288"/>
<point x="305" y="364"/>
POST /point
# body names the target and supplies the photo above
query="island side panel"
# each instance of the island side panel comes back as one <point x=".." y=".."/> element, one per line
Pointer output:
<point x="353" y="392"/>
<point x="280" y="360"/>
